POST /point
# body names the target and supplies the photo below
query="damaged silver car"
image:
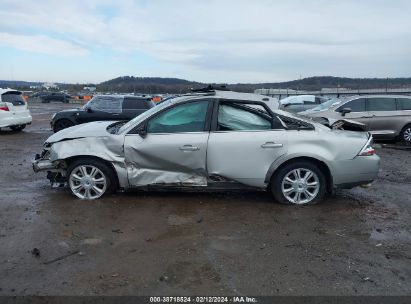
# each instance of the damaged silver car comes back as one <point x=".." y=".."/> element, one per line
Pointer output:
<point x="210" y="140"/>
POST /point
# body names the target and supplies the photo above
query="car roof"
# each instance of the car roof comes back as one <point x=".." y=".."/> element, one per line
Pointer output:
<point x="2" y="91"/>
<point x="124" y="96"/>
<point x="377" y="96"/>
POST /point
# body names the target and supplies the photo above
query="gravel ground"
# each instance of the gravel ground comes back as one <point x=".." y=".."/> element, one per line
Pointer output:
<point x="357" y="242"/>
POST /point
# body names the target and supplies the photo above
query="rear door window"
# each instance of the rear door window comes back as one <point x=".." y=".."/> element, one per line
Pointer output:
<point x="404" y="103"/>
<point x="239" y="117"/>
<point x="15" y="98"/>
<point x="356" y="105"/>
<point x="381" y="104"/>
<point x="135" y="104"/>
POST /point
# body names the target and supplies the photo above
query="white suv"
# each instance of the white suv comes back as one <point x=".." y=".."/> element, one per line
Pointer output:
<point x="13" y="110"/>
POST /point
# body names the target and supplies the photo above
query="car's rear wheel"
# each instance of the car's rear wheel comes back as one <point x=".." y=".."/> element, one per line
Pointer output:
<point x="62" y="124"/>
<point x="90" y="179"/>
<point x="18" y="128"/>
<point x="406" y="134"/>
<point x="298" y="183"/>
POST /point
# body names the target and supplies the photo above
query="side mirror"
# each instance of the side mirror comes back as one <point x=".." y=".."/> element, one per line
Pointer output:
<point x="345" y="111"/>
<point x="142" y="131"/>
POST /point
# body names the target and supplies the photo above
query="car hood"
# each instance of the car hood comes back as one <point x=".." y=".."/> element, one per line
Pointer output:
<point x="70" y="110"/>
<point x="91" y="129"/>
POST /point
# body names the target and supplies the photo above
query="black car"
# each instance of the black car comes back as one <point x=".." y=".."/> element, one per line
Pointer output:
<point x="46" y="97"/>
<point x="102" y="107"/>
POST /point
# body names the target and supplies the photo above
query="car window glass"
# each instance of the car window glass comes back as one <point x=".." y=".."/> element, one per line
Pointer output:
<point x="189" y="117"/>
<point x="356" y="105"/>
<point x="381" y="104"/>
<point x="311" y="102"/>
<point x="134" y="104"/>
<point x="106" y="104"/>
<point x="233" y="118"/>
<point x="13" y="97"/>
<point x="404" y="103"/>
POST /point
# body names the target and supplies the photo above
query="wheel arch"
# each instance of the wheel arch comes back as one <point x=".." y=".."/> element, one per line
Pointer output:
<point x="320" y="163"/>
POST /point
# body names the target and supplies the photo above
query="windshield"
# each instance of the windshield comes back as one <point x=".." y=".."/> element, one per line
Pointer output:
<point x="144" y="115"/>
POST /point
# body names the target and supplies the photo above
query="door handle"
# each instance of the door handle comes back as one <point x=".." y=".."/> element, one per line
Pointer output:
<point x="271" y="145"/>
<point x="189" y="148"/>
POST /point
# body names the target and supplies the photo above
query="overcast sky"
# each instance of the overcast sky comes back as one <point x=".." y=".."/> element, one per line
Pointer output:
<point x="208" y="41"/>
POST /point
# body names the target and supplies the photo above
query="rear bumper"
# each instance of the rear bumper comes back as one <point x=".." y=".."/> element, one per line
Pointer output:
<point x="358" y="171"/>
<point x="15" y="120"/>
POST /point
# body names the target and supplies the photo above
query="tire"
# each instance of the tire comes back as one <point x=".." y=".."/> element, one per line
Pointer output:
<point x="90" y="179"/>
<point x="62" y="124"/>
<point x="18" y="128"/>
<point x="288" y="189"/>
<point x="406" y="134"/>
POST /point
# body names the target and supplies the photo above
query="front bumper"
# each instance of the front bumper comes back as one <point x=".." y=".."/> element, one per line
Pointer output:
<point x="43" y="165"/>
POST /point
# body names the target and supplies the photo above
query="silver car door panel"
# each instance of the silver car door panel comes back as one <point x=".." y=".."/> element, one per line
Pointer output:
<point x="173" y="159"/>
<point x="240" y="155"/>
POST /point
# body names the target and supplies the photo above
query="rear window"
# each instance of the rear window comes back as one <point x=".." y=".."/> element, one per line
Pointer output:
<point x="135" y="104"/>
<point x="381" y="104"/>
<point x="404" y="103"/>
<point x="16" y="98"/>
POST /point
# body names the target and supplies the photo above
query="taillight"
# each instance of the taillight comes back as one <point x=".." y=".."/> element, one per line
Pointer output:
<point x="3" y="107"/>
<point x="367" y="150"/>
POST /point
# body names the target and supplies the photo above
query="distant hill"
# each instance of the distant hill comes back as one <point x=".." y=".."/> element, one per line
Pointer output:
<point x="176" y="85"/>
<point x="17" y="83"/>
<point x="154" y="85"/>
<point x="147" y="85"/>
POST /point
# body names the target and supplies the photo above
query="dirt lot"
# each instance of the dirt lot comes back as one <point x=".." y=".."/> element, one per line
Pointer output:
<point x="356" y="243"/>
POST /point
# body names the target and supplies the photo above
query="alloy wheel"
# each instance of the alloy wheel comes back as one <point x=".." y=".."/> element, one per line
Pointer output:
<point x="407" y="134"/>
<point x="300" y="186"/>
<point x="87" y="182"/>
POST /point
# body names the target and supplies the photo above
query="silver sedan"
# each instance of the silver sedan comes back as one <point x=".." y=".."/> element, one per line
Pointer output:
<point x="210" y="140"/>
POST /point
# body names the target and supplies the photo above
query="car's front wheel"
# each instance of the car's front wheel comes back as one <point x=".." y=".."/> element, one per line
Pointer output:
<point x="406" y="134"/>
<point x="90" y="179"/>
<point x="298" y="183"/>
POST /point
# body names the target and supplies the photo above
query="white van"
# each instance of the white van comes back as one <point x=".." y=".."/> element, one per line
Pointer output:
<point x="14" y="113"/>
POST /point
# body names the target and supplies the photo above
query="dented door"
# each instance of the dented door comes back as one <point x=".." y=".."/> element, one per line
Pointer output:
<point x="173" y="152"/>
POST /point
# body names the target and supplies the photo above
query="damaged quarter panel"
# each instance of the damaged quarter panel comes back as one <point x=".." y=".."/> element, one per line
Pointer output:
<point x="335" y="148"/>
<point x="87" y="140"/>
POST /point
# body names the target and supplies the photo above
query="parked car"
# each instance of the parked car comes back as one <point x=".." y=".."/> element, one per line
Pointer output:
<point x="47" y="97"/>
<point x="14" y="113"/>
<point x="102" y="107"/>
<point x="218" y="140"/>
<point x="300" y="103"/>
<point x="386" y="117"/>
